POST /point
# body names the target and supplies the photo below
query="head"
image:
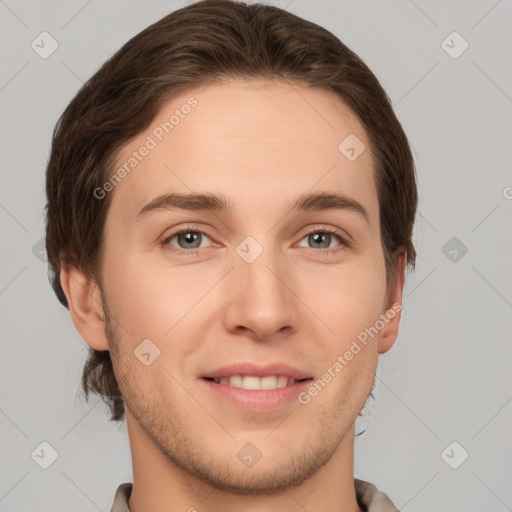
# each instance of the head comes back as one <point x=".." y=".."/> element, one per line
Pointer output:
<point x="247" y="105"/>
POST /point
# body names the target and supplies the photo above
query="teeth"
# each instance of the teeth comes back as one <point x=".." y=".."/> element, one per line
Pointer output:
<point x="269" y="382"/>
<point x="282" y="381"/>
<point x="236" y="381"/>
<point x="251" y="382"/>
<point x="254" y="383"/>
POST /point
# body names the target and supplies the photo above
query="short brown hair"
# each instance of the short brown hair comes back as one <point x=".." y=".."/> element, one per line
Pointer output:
<point x="192" y="46"/>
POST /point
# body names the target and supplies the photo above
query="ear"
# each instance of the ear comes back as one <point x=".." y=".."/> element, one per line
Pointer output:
<point x="393" y="307"/>
<point x="85" y="306"/>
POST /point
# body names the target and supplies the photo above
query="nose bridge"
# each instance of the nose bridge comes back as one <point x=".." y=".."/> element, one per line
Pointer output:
<point x="261" y="274"/>
<point x="260" y="300"/>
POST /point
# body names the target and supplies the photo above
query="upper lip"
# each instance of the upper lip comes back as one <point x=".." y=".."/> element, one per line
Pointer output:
<point x="258" y="371"/>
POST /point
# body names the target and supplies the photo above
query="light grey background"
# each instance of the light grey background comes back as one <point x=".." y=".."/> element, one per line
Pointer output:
<point x="447" y="378"/>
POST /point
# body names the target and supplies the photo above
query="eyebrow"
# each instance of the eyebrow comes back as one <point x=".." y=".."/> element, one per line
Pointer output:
<point x="194" y="202"/>
<point x="316" y="201"/>
<point x="320" y="201"/>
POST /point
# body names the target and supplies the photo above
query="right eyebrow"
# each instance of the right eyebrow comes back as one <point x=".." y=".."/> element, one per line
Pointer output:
<point x="212" y="202"/>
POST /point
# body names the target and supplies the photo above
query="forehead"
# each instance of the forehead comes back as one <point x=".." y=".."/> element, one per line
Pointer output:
<point x="252" y="141"/>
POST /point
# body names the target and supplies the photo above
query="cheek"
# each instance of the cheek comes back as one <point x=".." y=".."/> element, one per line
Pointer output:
<point x="350" y="305"/>
<point x="153" y="300"/>
<point x="349" y="299"/>
<point x="135" y="298"/>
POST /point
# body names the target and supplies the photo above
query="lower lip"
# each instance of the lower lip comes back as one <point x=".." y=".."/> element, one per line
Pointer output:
<point x="258" y="399"/>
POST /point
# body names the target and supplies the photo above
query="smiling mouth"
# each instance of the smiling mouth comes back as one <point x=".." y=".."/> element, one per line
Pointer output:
<point x="252" y="382"/>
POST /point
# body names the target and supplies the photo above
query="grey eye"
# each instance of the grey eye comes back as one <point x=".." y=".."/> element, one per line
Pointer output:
<point x="320" y="239"/>
<point x="189" y="239"/>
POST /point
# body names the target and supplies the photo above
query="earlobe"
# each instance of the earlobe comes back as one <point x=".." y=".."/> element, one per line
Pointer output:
<point x="85" y="306"/>
<point x="392" y="312"/>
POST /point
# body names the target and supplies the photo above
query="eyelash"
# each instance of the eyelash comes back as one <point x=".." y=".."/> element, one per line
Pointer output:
<point x="344" y="244"/>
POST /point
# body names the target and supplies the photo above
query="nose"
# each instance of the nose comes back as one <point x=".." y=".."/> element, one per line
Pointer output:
<point x="260" y="301"/>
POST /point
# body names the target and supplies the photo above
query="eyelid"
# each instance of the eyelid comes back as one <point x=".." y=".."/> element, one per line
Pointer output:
<point x="319" y="228"/>
<point x="166" y="238"/>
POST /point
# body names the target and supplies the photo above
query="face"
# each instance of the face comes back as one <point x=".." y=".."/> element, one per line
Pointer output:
<point x="251" y="278"/>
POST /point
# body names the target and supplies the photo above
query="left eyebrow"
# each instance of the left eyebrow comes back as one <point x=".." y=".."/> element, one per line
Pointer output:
<point x="317" y="201"/>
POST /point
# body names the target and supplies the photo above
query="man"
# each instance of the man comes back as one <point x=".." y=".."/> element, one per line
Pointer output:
<point x="229" y="221"/>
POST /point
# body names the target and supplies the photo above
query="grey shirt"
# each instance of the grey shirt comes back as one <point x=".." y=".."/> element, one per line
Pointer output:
<point x="369" y="498"/>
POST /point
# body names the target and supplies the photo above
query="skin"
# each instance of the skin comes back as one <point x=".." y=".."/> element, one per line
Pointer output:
<point x="260" y="144"/>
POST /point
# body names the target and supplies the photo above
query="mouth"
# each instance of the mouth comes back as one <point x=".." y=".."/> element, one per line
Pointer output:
<point x="255" y="383"/>
<point x="251" y="387"/>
